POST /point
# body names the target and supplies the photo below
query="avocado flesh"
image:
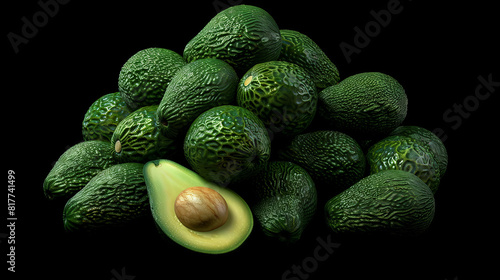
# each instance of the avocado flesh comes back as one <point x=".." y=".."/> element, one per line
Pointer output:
<point x="165" y="179"/>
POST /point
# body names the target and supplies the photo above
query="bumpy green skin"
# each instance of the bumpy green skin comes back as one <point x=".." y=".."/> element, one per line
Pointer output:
<point x="145" y="76"/>
<point x="227" y="143"/>
<point x="299" y="49"/>
<point x="405" y="153"/>
<point x="140" y="138"/>
<point x="197" y="87"/>
<point x="429" y="139"/>
<point x="113" y="197"/>
<point x="366" y="105"/>
<point x="241" y="35"/>
<point x="281" y="94"/>
<point x="286" y="200"/>
<point x="392" y="202"/>
<point x="334" y="160"/>
<point x="103" y="116"/>
<point x="76" y="167"/>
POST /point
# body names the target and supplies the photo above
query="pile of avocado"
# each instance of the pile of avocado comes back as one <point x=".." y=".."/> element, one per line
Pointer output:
<point x="251" y="122"/>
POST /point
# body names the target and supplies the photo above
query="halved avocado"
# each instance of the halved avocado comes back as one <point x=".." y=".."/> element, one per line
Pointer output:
<point x="165" y="180"/>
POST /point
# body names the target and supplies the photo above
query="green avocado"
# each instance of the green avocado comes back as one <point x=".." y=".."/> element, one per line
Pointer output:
<point x="197" y="87"/>
<point x="281" y="94"/>
<point x="405" y="153"/>
<point x="334" y="160"/>
<point x="227" y="143"/>
<point x="165" y="181"/>
<point x="299" y="49"/>
<point x="241" y="35"/>
<point x="138" y="137"/>
<point x="285" y="200"/>
<point x="114" y="197"/>
<point x="429" y="139"/>
<point x="103" y="116"/>
<point x="391" y="202"/>
<point x="365" y="106"/>
<point x="76" y="167"/>
<point x="145" y="76"/>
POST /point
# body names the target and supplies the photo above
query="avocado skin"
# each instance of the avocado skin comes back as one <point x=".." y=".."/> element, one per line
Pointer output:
<point x="145" y="76"/>
<point x="391" y="202"/>
<point x="103" y="116"/>
<point x="430" y="140"/>
<point x="197" y="87"/>
<point x="334" y="160"/>
<point x="405" y="153"/>
<point x="227" y="143"/>
<point x="281" y="94"/>
<point x="285" y="200"/>
<point x="76" y="167"/>
<point x="242" y="36"/>
<point x="141" y="138"/>
<point x="365" y="105"/>
<point x="299" y="49"/>
<point x="113" y="197"/>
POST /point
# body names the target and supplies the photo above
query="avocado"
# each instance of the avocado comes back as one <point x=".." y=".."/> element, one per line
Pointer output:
<point x="299" y="49"/>
<point x="281" y="94"/>
<point x="391" y="202"/>
<point x="145" y="76"/>
<point x="365" y="105"/>
<point x="241" y="35"/>
<point x="166" y="181"/>
<point x="138" y="137"/>
<point x="405" y="153"/>
<point x="114" y="197"/>
<point x="197" y="87"/>
<point x="334" y="160"/>
<point x="285" y="200"/>
<point x="76" y="167"/>
<point x="103" y="116"/>
<point x="227" y="143"/>
<point x="430" y="140"/>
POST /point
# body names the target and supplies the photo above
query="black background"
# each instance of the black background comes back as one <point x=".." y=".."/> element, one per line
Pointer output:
<point x="436" y="51"/>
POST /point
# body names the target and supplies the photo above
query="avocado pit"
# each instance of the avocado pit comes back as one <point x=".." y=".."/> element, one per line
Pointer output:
<point x="201" y="209"/>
